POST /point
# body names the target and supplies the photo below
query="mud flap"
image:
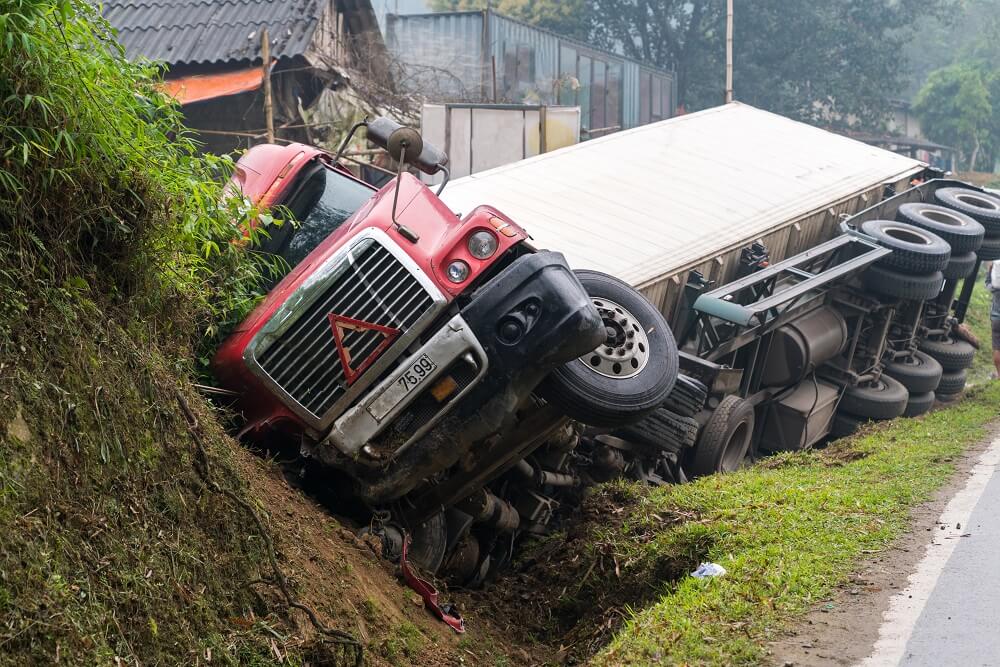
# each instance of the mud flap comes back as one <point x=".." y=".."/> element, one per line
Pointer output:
<point x="446" y="612"/>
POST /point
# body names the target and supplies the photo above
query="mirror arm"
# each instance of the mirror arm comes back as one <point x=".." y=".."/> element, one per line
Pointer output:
<point x="447" y="177"/>
<point x="347" y="139"/>
<point x="403" y="230"/>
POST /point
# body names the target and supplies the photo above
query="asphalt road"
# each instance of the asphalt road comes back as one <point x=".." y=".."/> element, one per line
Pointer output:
<point x="960" y="623"/>
<point x="949" y="611"/>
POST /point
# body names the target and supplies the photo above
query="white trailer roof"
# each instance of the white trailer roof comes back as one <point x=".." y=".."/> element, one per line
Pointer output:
<point x="648" y="202"/>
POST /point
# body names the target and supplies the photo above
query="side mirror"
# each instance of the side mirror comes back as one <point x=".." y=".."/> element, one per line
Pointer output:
<point x="394" y="138"/>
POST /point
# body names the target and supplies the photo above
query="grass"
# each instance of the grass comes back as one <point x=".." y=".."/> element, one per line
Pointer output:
<point x="788" y="531"/>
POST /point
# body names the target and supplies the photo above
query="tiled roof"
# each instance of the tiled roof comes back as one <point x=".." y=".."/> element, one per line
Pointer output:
<point x="212" y="31"/>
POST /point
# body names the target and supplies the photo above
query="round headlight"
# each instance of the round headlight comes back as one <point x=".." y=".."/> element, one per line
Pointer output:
<point x="458" y="271"/>
<point x="482" y="244"/>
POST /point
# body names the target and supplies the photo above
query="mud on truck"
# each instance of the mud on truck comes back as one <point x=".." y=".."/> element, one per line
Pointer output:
<point x="432" y="363"/>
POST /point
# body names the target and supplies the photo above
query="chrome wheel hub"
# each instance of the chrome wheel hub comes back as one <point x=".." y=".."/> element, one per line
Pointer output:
<point x="626" y="351"/>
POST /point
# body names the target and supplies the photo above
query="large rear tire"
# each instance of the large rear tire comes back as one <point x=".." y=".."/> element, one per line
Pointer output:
<point x="952" y="383"/>
<point x="724" y="441"/>
<point x="663" y="431"/>
<point x="915" y="251"/>
<point x="895" y="284"/>
<point x="919" y="373"/>
<point x="989" y="251"/>
<point x="960" y="266"/>
<point x="919" y="404"/>
<point x="688" y="396"/>
<point x="951" y="353"/>
<point x="628" y="376"/>
<point x="979" y="206"/>
<point x="885" y="399"/>
<point x="960" y="231"/>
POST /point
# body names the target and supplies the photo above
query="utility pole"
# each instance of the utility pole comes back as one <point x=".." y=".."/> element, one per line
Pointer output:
<point x="265" y="55"/>
<point x="729" y="51"/>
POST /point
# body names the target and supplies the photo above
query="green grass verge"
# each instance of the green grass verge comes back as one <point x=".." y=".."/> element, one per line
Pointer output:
<point x="788" y="531"/>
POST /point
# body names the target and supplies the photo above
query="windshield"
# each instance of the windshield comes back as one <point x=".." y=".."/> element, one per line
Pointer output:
<point x="323" y="200"/>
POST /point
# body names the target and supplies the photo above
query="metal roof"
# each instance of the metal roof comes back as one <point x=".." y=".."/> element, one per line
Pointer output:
<point x="218" y="31"/>
<point x="648" y="202"/>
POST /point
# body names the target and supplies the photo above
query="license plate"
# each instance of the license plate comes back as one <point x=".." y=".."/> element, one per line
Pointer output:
<point x="416" y="373"/>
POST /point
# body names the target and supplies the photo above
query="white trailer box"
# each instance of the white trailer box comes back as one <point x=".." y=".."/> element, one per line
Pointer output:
<point x="651" y="204"/>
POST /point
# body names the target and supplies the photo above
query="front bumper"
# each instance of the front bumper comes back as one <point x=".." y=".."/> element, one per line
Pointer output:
<point x="453" y="346"/>
<point x="527" y="320"/>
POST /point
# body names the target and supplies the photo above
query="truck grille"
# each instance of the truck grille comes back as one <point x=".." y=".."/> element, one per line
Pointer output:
<point x="372" y="287"/>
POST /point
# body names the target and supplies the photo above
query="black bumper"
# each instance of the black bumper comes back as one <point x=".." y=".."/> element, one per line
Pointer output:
<point x="531" y="318"/>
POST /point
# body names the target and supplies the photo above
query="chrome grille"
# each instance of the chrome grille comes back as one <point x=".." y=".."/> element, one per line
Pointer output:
<point x="371" y="286"/>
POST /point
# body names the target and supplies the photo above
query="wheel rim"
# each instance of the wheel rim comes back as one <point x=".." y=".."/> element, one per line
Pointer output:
<point x="732" y="457"/>
<point x="978" y="202"/>
<point x="625" y="352"/>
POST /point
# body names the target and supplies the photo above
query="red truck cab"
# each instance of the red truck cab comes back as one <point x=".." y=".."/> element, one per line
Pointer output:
<point x="379" y="329"/>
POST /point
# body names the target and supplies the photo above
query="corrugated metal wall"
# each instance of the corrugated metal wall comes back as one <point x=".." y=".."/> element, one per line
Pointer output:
<point x="444" y="52"/>
<point x="505" y="35"/>
<point x="630" y="94"/>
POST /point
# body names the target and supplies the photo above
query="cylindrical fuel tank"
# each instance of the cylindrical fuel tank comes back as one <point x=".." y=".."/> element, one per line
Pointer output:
<point x="803" y="344"/>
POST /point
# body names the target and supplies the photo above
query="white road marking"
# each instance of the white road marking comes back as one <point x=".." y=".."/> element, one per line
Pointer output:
<point x="905" y="607"/>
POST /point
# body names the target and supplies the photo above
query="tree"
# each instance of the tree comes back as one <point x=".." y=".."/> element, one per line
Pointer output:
<point x="824" y="62"/>
<point x="955" y="108"/>
<point x="571" y="18"/>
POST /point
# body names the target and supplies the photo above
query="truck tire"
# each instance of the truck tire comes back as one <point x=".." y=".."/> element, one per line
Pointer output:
<point x="981" y="207"/>
<point x="919" y="404"/>
<point x="844" y="425"/>
<point x="989" y="250"/>
<point x="892" y="283"/>
<point x="662" y="430"/>
<point x="687" y="398"/>
<point x="919" y="373"/>
<point x="960" y="266"/>
<point x="724" y="441"/>
<point x="958" y="230"/>
<point x="915" y="251"/>
<point x="630" y="375"/>
<point x="951" y="353"/>
<point x="952" y="383"/>
<point x="884" y="400"/>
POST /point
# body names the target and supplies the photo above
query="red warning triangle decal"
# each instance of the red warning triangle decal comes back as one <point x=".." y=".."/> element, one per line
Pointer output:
<point x="341" y="325"/>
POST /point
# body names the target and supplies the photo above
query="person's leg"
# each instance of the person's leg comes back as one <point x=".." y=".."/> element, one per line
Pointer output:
<point x="995" y="325"/>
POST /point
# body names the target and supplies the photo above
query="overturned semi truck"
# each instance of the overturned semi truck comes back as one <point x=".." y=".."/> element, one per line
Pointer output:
<point x="462" y="386"/>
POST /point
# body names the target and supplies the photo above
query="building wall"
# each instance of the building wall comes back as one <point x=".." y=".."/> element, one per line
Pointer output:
<point x="452" y="58"/>
<point x="442" y="53"/>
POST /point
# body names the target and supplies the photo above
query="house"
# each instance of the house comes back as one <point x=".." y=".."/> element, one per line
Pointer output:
<point x="482" y="56"/>
<point x="212" y="54"/>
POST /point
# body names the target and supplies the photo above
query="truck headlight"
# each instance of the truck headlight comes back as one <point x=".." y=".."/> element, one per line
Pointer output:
<point x="458" y="271"/>
<point x="483" y="244"/>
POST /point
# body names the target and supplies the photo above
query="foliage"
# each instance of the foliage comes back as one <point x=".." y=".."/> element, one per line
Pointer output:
<point x="117" y="252"/>
<point x="968" y="32"/>
<point x="570" y="18"/>
<point x="956" y="108"/>
<point x="959" y="103"/>
<point x="828" y="63"/>
<point x="100" y="185"/>
<point x="789" y="531"/>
